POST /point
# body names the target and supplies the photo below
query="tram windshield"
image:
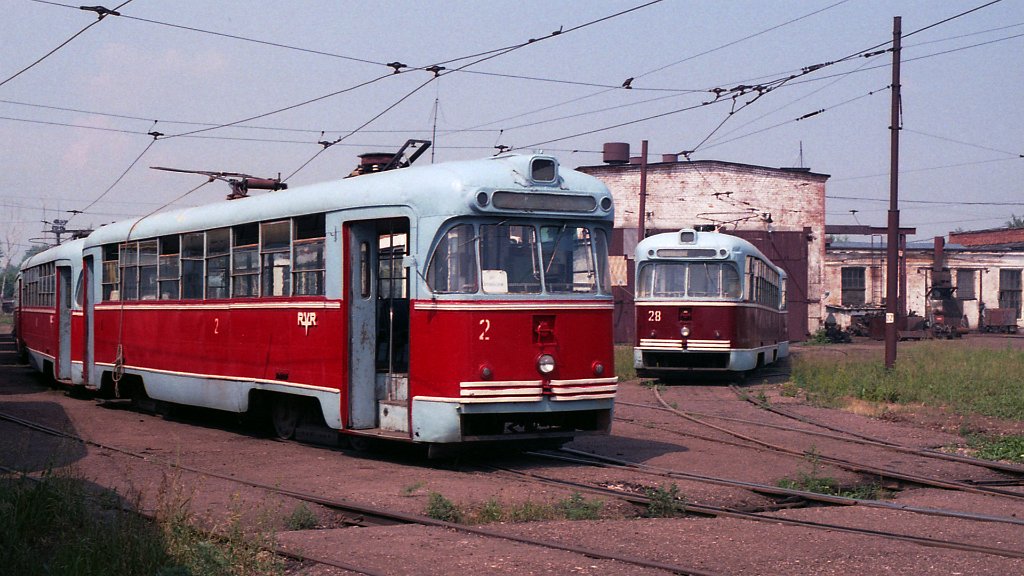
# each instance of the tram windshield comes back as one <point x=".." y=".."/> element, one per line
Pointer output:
<point x="520" y="258"/>
<point x="689" y="280"/>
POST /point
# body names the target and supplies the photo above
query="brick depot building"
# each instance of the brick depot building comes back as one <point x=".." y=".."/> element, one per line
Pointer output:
<point x="779" y="210"/>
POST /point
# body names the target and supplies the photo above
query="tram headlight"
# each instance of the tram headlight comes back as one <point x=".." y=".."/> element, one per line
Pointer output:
<point x="598" y="368"/>
<point x="685" y="331"/>
<point x="546" y="364"/>
<point x="486" y="372"/>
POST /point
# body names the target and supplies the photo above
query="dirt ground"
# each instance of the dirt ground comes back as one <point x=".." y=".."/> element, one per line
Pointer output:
<point x="402" y="479"/>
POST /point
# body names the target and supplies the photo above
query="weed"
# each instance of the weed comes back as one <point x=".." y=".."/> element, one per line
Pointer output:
<point x="412" y="488"/>
<point x="576" y="507"/>
<point x="530" y="512"/>
<point x="790" y="389"/>
<point x="490" y="512"/>
<point x="811" y="480"/>
<point x="302" y="518"/>
<point x="762" y="398"/>
<point x="1008" y="448"/>
<point x="441" y="508"/>
<point x="664" y="502"/>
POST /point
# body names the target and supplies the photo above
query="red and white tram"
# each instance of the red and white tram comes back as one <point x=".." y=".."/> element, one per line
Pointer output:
<point x="465" y="301"/>
<point x="706" y="301"/>
<point x="50" y="324"/>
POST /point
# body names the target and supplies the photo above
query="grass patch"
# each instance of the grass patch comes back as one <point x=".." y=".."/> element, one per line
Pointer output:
<point x="978" y="381"/>
<point x="63" y="525"/>
<point x="573" y="507"/>
<point x="811" y="480"/>
<point x="624" y="363"/>
<point x="1006" y="448"/>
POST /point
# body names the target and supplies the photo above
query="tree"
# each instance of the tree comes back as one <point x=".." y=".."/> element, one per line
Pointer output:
<point x="1015" y="221"/>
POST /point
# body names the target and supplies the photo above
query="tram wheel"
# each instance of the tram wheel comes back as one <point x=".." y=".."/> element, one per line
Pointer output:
<point x="285" y="412"/>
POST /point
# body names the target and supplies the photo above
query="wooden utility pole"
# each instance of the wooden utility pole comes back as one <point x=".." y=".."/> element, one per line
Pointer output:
<point x="892" y="243"/>
<point x="642" y="224"/>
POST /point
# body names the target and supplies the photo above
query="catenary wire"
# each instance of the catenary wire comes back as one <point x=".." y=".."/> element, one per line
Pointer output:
<point x="101" y="16"/>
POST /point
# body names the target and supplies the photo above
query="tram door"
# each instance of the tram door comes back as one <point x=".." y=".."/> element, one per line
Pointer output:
<point x="378" y="307"/>
<point x="64" y="295"/>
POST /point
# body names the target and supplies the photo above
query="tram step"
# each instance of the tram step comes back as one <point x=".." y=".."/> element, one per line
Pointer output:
<point x="393" y="415"/>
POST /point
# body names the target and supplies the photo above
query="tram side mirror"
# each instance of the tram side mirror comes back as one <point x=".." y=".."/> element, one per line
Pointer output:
<point x="408" y="261"/>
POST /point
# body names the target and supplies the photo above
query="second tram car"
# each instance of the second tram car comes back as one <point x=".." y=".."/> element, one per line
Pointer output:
<point x="706" y="301"/>
<point x="457" y="302"/>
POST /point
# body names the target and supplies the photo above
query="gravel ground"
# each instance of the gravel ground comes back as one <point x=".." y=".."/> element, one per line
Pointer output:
<point x="401" y="479"/>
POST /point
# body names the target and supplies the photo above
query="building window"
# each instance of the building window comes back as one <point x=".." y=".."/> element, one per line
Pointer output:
<point x="853" y="286"/>
<point x="965" y="284"/>
<point x="1009" y="289"/>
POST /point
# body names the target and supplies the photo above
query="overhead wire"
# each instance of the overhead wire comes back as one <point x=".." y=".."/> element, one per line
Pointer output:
<point x="442" y="71"/>
<point x="155" y="136"/>
<point x="101" y="14"/>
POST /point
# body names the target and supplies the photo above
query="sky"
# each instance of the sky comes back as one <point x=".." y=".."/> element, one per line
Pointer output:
<point x="253" y="87"/>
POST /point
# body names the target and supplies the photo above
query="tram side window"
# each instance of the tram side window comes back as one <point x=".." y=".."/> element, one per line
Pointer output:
<point x="308" y="256"/>
<point x="129" y="263"/>
<point x="245" y="261"/>
<point x="39" y="286"/>
<point x="193" y="251"/>
<point x="218" y="259"/>
<point x="147" y="270"/>
<point x="567" y="259"/>
<point x="391" y="278"/>
<point x="509" y="258"/>
<point x="110" y="277"/>
<point x="452" y="268"/>
<point x="730" y="281"/>
<point x="276" y="258"/>
<point x="169" y="268"/>
<point x="604" y="277"/>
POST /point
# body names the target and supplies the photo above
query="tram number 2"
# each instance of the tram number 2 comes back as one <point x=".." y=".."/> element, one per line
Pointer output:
<point x="654" y="315"/>
<point x="485" y="327"/>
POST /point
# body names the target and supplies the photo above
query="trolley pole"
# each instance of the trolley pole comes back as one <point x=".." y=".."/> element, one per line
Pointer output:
<point x="892" y="243"/>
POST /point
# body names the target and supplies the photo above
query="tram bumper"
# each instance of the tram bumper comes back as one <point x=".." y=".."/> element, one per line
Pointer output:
<point x="446" y="421"/>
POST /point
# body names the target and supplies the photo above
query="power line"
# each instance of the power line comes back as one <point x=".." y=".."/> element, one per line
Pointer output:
<point x="937" y="202"/>
<point x="959" y="165"/>
<point x="980" y="147"/>
<point x="152" y="133"/>
<point x="101" y="14"/>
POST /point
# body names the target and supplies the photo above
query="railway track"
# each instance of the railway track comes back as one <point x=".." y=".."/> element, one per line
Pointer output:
<point x="987" y="488"/>
<point x="586" y="458"/>
<point x="367" y="516"/>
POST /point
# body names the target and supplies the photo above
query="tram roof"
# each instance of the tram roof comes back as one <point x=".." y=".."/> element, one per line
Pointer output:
<point x="70" y="250"/>
<point x="702" y="240"/>
<point x="432" y="190"/>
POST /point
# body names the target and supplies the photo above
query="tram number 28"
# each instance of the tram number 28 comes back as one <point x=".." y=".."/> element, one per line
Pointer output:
<point x="654" y="315"/>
